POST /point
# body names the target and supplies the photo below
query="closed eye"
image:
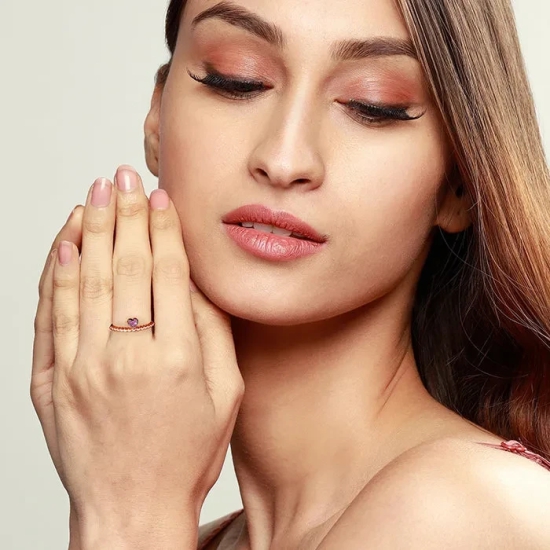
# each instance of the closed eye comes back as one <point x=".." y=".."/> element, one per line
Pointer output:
<point x="373" y="113"/>
<point x="236" y="89"/>
<point x="365" y="113"/>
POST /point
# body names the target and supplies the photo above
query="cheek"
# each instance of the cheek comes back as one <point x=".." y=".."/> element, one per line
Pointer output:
<point x="391" y="211"/>
<point x="197" y="164"/>
<point x="377" y="203"/>
<point x="190" y="136"/>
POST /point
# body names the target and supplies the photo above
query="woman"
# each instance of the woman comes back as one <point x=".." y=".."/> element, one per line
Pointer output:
<point x="391" y="335"/>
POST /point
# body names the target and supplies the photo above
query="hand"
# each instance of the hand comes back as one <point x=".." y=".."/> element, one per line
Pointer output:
<point x="43" y="363"/>
<point x="143" y="420"/>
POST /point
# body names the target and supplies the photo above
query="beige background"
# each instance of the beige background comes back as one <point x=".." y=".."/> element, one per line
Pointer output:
<point x="75" y="88"/>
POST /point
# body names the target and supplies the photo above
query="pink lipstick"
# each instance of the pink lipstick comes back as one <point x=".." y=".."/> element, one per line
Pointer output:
<point x="275" y="236"/>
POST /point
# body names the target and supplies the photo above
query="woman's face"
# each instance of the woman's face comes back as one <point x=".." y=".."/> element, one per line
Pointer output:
<point x="304" y="145"/>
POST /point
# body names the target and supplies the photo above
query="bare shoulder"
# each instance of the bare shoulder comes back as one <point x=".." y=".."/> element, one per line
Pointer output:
<point x="451" y="494"/>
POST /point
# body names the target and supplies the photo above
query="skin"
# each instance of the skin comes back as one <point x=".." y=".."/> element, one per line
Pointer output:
<point x="124" y="455"/>
<point x="335" y="429"/>
<point x="338" y="321"/>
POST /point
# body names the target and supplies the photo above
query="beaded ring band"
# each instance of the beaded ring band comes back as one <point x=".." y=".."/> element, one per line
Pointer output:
<point x="134" y="326"/>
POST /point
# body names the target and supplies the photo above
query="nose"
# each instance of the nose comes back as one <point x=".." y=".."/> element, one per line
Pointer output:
<point x="287" y="151"/>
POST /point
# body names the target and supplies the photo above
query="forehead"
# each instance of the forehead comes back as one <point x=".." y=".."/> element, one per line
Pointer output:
<point x="320" y="21"/>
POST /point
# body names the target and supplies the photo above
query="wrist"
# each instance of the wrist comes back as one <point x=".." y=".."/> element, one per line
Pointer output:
<point x="74" y="531"/>
<point x="127" y="529"/>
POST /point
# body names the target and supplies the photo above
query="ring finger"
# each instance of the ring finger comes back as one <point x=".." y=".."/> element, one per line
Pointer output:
<point x="132" y="257"/>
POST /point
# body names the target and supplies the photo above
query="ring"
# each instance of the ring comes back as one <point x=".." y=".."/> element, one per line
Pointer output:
<point x="134" y="326"/>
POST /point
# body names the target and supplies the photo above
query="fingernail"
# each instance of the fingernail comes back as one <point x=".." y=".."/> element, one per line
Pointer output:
<point x="159" y="199"/>
<point x="101" y="192"/>
<point x="65" y="252"/>
<point x="126" y="178"/>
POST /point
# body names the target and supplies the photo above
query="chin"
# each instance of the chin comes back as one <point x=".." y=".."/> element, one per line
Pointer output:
<point x="257" y="303"/>
<point x="271" y="303"/>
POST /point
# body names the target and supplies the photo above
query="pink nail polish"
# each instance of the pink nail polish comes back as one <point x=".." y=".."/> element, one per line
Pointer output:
<point x="159" y="199"/>
<point x="126" y="178"/>
<point x="65" y="252"/>
<point x="101" y="193"/>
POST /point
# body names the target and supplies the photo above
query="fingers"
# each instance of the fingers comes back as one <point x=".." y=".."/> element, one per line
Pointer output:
<point x="71" y="231"/>
<point x="96" y="271"/>
<point x="43" y="347"/>
<point x="182" y="316"/>
<point x="66" y="305"/>
<point x="174" y="320"/>
<point x="132" y="261"/>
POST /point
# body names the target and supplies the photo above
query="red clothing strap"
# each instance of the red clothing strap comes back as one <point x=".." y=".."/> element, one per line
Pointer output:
<point x="516" y="447"/>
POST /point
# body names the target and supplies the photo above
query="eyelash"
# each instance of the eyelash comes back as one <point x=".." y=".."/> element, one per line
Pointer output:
<point x="246" y="89"/>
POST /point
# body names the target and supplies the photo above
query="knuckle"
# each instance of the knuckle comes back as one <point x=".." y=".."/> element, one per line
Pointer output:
<point x="63" y="323"/>
<point x="95" y="287"/>
<point x="163" y="220"/>
<point x="236" y="390"/>
<point x="40" y="325"/>
<point x="43" y="293"/>
<point x="35" y="398"/>
<point x="127" y="367"/>
<point x="93" y="226"/>
<point x="132" y="209"/>
<point x="182" y="373"/>
<point x="170" y="269"/>
<point x="65" y="391"/>
<point x="175" y="357"/>
<point x="133" y="265"/>
<point x="180" y="362"/>
<point x="64" y="283"/>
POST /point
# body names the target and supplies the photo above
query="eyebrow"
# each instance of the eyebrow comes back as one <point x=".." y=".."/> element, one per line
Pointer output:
<point x="344" y="50"/>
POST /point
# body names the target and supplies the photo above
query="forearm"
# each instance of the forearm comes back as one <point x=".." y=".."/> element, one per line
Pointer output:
<point x="135" y="531"/>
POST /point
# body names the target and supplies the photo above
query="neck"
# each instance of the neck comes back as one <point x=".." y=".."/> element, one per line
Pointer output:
<point x="326" y="406"/>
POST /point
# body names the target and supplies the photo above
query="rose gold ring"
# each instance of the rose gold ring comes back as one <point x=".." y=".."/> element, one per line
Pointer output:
<point x="134" y="326"/>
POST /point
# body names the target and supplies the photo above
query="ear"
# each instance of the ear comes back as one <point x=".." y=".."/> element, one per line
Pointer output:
<point x="151" y="130"/>
<point x="455" y="204"/>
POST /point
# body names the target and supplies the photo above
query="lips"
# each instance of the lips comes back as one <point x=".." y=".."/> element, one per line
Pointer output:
<point x="257" y="213"/>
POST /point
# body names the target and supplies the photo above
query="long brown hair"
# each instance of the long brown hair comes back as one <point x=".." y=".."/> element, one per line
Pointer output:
<point x="481" y="318"/>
